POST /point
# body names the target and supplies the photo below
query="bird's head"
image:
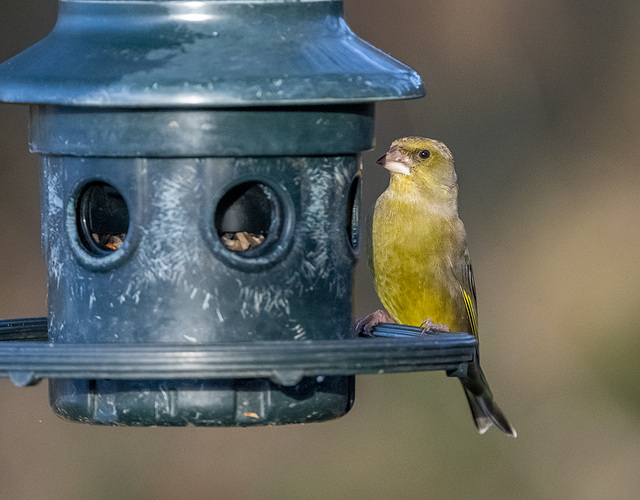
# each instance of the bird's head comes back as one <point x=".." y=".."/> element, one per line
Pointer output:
<point x="420" y="162"/>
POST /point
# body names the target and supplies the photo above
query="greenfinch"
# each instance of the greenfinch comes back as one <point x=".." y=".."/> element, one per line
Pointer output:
<point x="420" y="261"/>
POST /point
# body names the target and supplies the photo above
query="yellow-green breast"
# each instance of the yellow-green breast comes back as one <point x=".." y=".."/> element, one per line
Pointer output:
<point x="416" y="247"/>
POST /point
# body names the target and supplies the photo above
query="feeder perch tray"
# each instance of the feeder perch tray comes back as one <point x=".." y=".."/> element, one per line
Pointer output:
<point x="26" y="356"/>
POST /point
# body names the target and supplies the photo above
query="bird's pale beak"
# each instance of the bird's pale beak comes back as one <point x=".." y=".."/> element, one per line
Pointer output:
<point x="396" y="161"/>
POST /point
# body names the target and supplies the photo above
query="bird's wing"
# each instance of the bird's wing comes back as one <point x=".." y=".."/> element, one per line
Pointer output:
<point x="467" y="284"/>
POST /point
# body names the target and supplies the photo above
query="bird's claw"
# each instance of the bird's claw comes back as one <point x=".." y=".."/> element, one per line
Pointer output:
<point x="428" y="327"/>
<point x="365" y="325"/>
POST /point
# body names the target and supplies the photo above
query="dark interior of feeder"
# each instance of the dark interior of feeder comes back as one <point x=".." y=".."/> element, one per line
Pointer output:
<point x="353" y="213"/>
<point x="102" y="218"/>
<point x="247" y="216"/>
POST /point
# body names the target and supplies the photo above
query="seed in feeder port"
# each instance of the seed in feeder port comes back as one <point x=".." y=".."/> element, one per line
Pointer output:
<point x="102" y="218"/>
<point x="110" y="241"/>
<point x="241" y="240"/>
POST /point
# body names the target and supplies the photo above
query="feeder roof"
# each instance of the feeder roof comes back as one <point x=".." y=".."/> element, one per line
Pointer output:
<point x="203" y="54"/>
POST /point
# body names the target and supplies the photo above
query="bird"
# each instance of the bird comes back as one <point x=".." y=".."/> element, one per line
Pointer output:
<point x="419" y="259"/>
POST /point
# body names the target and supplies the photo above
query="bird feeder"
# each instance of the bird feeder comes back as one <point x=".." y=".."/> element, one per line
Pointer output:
<point x="200" y="212"/>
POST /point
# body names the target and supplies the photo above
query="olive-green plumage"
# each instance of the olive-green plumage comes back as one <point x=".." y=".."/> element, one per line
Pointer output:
<point x="419" y="257"/>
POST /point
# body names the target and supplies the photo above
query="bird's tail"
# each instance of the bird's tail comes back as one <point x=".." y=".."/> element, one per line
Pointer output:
<point x="484" y="409"/>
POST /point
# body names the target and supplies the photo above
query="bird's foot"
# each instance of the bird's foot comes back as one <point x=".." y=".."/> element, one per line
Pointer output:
<point x="365" y="325"/>
<point x="431" y="328"/>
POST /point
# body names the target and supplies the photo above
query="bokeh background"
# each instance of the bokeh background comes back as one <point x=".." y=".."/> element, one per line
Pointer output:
<point x="539" y="102"/>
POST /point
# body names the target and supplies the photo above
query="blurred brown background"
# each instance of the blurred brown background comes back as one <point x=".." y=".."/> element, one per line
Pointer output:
<point x="539" y="103"/>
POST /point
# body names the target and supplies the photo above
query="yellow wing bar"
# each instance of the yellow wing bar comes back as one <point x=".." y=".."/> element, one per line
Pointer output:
<point x="471" y="312"/>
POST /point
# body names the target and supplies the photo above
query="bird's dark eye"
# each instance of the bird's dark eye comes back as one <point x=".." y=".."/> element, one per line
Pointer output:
<point x="424" y="154"/>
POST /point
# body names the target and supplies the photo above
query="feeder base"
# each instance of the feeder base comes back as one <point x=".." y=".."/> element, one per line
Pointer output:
<point x="206" y="403"/>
